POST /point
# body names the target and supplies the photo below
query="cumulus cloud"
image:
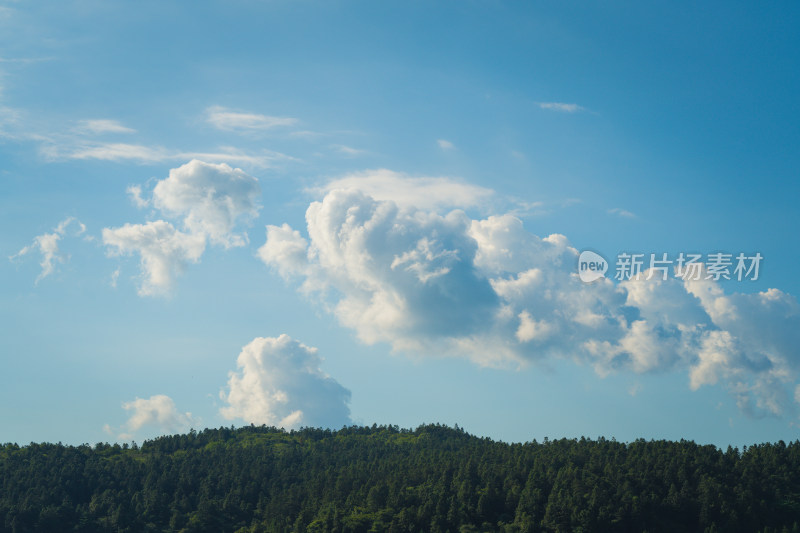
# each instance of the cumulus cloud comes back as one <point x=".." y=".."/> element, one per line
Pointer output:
<point x="760" y="360"/>
<point x="444" y="144"/>
<point x="47" y="246"/>
<point x="229" y="120"/>
<point x="158" y="412"/>
<point x="279" y="383"/>
<point x="404" y="190"/>
<point x="415" y="279"/>
<point x="285" y="249"/>
<point x="430" y="282"/>
<point x="164" y="251"/>
<point x="210" y="200"/>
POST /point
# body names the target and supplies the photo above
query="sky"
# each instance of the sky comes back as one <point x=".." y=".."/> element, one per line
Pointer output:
<point x="332" y="213"/>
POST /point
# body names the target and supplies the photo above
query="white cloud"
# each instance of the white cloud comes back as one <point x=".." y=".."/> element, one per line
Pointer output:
<point x="228" y="120"/>
<point x="10" y="120"/>
<point x="279" y="383"/>
<point x="83" y="142"/>
<point x="158" y="412"/>
<point x="285" y="249"/>
<point x="211" y="199"/>
<point x="561" y="107"/>
<point x="306" y="134"/>
<point x="433" y="283"/>
<point x="445" y="144"/>
<point x="23" y="60"/>
<point x="99" y="126"/>
<point x="228" y="154"/>
<point x="761" y="360"/>
<point x="715" y="359"/>
<point x="47" y="245"/>
<point x="164" y="251"/>
<point x="144" y="154"/>
<point x="348" y="150"/>
<point x="621" y="212"/>
<point x="530" y="329"/>
<point x="135" y="194"/>
<point x="404" y="190"/>
<point x="399" y="272"/>
<point x="113" y="152"/>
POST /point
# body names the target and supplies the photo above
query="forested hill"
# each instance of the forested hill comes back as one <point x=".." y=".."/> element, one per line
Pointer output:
<point x="430" y="479"/>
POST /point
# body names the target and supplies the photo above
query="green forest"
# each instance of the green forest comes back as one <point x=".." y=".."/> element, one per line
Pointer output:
<point x="383" y="478"/>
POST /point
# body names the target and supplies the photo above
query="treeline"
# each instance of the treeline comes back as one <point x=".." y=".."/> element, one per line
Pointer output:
<point x="432" y="479"/>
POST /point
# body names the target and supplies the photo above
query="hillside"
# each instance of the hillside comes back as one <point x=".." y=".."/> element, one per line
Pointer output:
<point x="360" y="479"/>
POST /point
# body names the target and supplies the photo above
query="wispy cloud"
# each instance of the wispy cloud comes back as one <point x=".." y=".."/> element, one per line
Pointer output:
<point x="100" y="126"/>
<point x="561" y="107"/>
<point x="227" y="154"/>
<point x="112" y="280"/>
<point x="135" y="194"/>
<point x="85" y="141"/>
<point x="229" y="120"/>
<point x="404" y="190"/>
<point x="157" y="154"/>
<point x="348" y="150"/>
<point x="23" y="60"/>
<point x="621" y="212"/>
<point x="524" y="209"/>
<point x="306" y="134"/>
<point x="445" y="144"/>
<point x="111" y="152"/>
<point x="47" y="245"/>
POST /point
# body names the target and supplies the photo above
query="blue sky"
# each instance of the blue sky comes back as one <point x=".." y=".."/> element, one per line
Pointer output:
<point x="308" y="213"/>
